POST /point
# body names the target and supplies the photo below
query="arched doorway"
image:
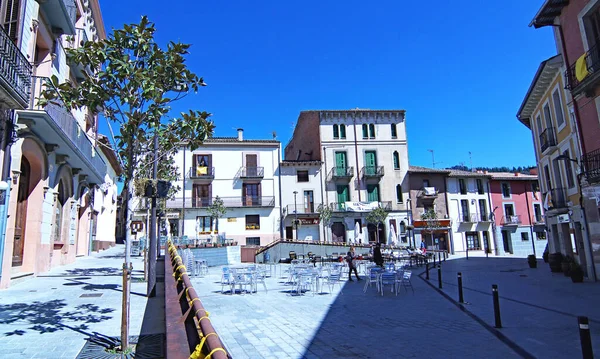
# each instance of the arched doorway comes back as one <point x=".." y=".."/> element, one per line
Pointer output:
<point x="59" y="209"/>
<point x="21" y="213"/>
<point x="338" y="232"/>
<point x="64" y="213"/>
<point x="371" y="229"/>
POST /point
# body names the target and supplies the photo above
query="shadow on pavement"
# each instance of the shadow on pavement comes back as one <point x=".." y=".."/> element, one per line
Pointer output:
<point x="152" y="338"/>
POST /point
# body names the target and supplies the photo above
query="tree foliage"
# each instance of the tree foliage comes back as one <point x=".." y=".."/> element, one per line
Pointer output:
<point x="217" y="209"/>
<point x="325" y="214"/>
<point x="377" y="216"/>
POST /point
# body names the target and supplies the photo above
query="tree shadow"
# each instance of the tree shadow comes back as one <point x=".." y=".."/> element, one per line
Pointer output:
<point x="97" y="287"/>
<point x="85" y="272"/>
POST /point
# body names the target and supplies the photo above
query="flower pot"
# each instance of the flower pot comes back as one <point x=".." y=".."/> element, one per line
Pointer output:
<point x="566" y="268"/>
<point x="532" y="261"/>
<point x="554" y="260"/>
<point x="545" y="257"/>
<point x="577" y="276"/>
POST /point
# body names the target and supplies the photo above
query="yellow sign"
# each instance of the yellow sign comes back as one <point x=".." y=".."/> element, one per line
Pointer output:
<point x="231" y="219"/>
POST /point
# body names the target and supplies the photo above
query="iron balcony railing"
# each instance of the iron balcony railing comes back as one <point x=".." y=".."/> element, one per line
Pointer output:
<point x="290" y="209"/>
<point x="558" y="198"/>
<point x="513" y="220"/>
<point x="252" y="172"/>
<point x="591" y="166"/>
<point x="68" y="125"/>
<point x="201" y="172"/>
<point x="547" y="138"/>
<point x="372" y="171"/>
<point x="231" y="202"/>
<point x="71" y="10"/>
<point x="592" y="63"/>
<point x="538" y="219"/>
<point x="341" y="206"/>
<point x="341" y="173"/>
<point x="468" y="217"/>
<point x="15" y="70"/>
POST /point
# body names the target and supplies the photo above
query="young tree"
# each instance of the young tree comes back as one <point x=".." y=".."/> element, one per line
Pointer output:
<point x="377" y="217"/>
<point x="133" y="86"/>
<point x="325" y="214"/>
<point x="217" y="210"/>
<point x="431" y="218"/>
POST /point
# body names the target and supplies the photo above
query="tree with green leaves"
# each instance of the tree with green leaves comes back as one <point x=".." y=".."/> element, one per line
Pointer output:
<point x="377" y="217"/>
<point x="217" y="210"/>
<point x="134" y="84"/>
<point x="432" y="222"/>
<point x="325" y="214"/>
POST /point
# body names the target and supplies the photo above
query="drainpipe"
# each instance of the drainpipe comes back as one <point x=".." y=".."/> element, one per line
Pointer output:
<point x="493" y="218"/>
<point x="356" y="158"/>
<point x="280" y="200"/>
<point x="183" y="204"/>
<point x="323" y="203"/>
<point x="529" y="216"/>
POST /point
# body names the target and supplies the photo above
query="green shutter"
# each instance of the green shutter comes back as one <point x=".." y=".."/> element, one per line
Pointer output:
<point x="365" y="129"/>
<point x="340" y="163"/>
<point x="342" y="131"/>
<point x="373" y="193"/>
<point x="336" y="132"/>
<point x="399" y="193"/>
<point x="370" y="163"/>
<point x="342" y="196"/>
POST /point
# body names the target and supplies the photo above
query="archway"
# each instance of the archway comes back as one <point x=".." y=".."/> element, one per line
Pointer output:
<point x="82" y="244"/>
<point x="338" y="232"/>
<point x="371" y="229"/>
<point x="62" y="209"/>
<point x="23" y="193"/>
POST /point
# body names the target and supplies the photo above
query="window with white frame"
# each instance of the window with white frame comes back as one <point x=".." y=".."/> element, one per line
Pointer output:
<point x="371" y="131"/>
<point x="569" y="170"/>
<point x="343" y="131"/>
<point x="394" y="131"/>
<point x="558" y="109"/>
<point x="396" y="160"/>
<point x="336" y="131"/>
<point x="505" y="190"/>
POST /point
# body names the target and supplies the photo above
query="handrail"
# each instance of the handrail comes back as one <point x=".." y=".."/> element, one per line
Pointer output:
<point x="205" y="339"/>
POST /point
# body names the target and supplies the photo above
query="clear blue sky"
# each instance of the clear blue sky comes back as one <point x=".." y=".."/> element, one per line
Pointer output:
<point x="459" y="68"/>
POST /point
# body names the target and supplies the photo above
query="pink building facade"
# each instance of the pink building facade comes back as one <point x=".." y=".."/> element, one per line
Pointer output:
<point x="518" y="208"/>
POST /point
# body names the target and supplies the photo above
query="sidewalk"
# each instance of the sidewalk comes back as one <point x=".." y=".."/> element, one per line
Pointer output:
<point x="52" y="315"/>
<point x="538" y="308"/>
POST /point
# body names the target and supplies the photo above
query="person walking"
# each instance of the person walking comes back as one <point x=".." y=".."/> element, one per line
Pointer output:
<point x="377" y="257"/>
<point x="350" y="259"/>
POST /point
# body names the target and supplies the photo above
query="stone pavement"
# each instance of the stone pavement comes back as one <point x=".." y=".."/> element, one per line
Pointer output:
<point x="346" y="324"/>
<point x="538" y="308"/>
<point x="51" y="316"/>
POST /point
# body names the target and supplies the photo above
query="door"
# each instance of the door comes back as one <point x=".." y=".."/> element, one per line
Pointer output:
<point x="373" y="193"/>
<point x="289" y="232"/>
<point x="370" y="163"/>
<point x="201" y="196"/>
<point x="21" y="213"/>
<point x="251" y="195"/>
<point x="506" y="242"/>
<point x="252" y="165"/>
<point x="338" y="232"/>
<point x="473" y="241"/>
<point x="340" y="163"/>
<point x="342" y="196"/>
<point x="464" y="206"/>
<point x="486" y="242"/>
<point x="309" y="202"/>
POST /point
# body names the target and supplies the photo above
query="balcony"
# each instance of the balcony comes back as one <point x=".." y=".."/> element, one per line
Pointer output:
<point x="61" y="132"/>
<point x="372" y="172"/>
<point x="60" y="14"/>
<point x="558" y="198"/>
<point x="252" y="172"/>
<point x="230" y="202"/>
<point x="15" y="74"/>
<point x="468" y="218"/>
<point x="359" y="206"/>
<point x="201" y="173"/>
<point x="290" y="209"/>
<point x="341" y="173"/>
<point x="587" y="78"/>
<point x="548" y="139"/>
<point x="428" y="193"/>
<point x="513" y="220"/>
<point x="591" y="166"/>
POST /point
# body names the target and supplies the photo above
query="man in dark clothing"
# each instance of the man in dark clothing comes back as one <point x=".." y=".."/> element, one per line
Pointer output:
<point x="377" y="257"/>
<point x="350" y="259"/>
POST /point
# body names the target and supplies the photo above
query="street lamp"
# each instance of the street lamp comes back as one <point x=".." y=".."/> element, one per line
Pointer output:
<point x="296" y="214"/>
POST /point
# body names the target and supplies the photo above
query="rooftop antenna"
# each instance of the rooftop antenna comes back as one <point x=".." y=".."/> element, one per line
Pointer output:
<point x="471" y="160"/>
<point x="433" y="158"/>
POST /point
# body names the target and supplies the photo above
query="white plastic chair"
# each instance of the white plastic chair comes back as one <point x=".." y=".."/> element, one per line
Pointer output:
<point x="333" y="279"/>
<point x="372" y="278"/>
<point x="405" y="282"/>
<point x="387" y="278"/>
<point x="227" y="279"/>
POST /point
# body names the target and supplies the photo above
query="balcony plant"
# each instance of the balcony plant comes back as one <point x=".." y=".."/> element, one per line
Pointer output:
<point x="217" y="210"/>
<point x="532" y="261"/>
<point x="576" y="272"/>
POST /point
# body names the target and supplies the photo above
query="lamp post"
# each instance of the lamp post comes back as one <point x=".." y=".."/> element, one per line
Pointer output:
<point x="296" y="214"/>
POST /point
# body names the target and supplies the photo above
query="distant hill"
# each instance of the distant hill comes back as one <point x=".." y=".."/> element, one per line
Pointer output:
<point x="520" y="169"/>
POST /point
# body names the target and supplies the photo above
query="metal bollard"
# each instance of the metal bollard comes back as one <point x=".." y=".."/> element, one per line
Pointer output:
<point x="461" y="299"/>
<point x="439" y="257"/>
<point x="498" y="322"/>
<point x="434" y="259"/>
<point x="439" y="276"/>
<point x="427" y="269"/>
<point x="585" y="338"/>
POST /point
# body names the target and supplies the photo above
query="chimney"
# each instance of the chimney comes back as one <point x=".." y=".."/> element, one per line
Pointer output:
<point x="485" y="172"/>
<point x="240" y="134"/>
<point x="533" y="171"/>
<point x="517" y="174"/>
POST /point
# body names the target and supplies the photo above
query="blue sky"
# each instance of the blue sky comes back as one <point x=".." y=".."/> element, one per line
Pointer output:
<point x="459" y="68"/>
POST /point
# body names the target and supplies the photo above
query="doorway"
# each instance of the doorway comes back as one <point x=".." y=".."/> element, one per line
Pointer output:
<point x="21" y="213"/>
<point x="338" y="232"/>
<point x="372" y="231"/>
<point x="506" y="242"/>
<point x="251" y="165"/>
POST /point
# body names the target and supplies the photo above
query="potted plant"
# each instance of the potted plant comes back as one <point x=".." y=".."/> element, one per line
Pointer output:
<point x="532" y="261"/>
<point x="566" y="265"/>
<point x="545" y="256"/>
<point x="576" y="273"/>
<point x="554" y="261"/>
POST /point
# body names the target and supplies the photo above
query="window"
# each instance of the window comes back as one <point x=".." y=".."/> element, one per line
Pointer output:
<point x="201" y="195"/>
<point x="336" y="131"/>
<point x="464" y="206"/>
<point x="548" y="179"/>
<point x="479" y="186"/>
<point x="253" y="241"/>
<point x="462" y="186"/>
<point x="509" y="211"/>
<point x="505" y="190"/>
<point x="483" y="209"/>
<point x="252" y="221"/>
<point x="537" y="213"/>
<point x="204" y="224"/>
<point x="371" y="130"/>
<point x="10" y="19"/>
<point x="569" y="169"/>
<point x="538" y="120"/>
<point x="396" y="160"/>
<point x="402" y="227"/>
<point x="592" y="22"/>
<point x="540" y="236"/>
<point x="399" y="198"/>
<point x="202" y="165"/>
<point x="251" y="194"/>
<point x="425" y="183"/>
<point x="394" y="131"/>
<point x="473" y="243"/>
<point x="560" y="116"/>
<point x="57" y="51"/>
<point x="548" y="117"/>
<point x="342" y="131"/>
<point x="365" y="131"/>
<point x="302" y="176"/>
<point x="373" y="193"/>
<point x="309" y="202"/>
<point x="535" y="187"/>
<point x="524" y="236"/>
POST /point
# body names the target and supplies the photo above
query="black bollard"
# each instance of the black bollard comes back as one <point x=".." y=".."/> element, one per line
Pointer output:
<point x="467" y="253"/>
<point x="461" y="299"/>
<point x="427" y="269"/>
<point x="585" y="338"/>
<point x="498" y="322"/>
<point x="434" y="259"/>
<point x="439" y="257"/>
<point x="439" y="276"/>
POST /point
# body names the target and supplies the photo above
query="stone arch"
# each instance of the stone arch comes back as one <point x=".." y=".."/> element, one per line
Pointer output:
<point x="338" y="232"/>
<point x="63" y="187"/>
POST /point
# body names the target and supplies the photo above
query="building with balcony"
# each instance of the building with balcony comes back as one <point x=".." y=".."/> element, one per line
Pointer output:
<point x="576" y="27"/>
<point x="301" y="197"/>
<point x="429" y="212"/>
<point x="469" y="201"/>
<point x="519" y="222"/>
<point x="364" y="160"/>
<point x="244" y="173"/>
<point x="62" y="183"/>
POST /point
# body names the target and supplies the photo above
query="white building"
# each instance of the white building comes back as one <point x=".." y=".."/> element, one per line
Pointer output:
<point x="365" y="160"/>
<point x="301" y="196"/>
<point x="243" y="173"/>
<point x="468" y="200"/>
